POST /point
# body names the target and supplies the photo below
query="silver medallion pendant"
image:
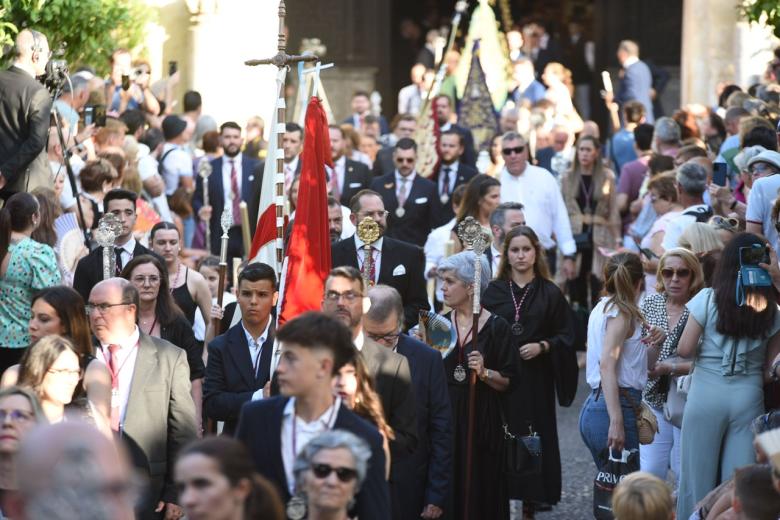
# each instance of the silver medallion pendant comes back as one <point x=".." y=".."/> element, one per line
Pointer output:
<point x="296" y="508"/>
<point x="400" y="212"/>
<point x="445" y="198"/>
<point x="517" y="328"/>
<point x="459" y="374"/>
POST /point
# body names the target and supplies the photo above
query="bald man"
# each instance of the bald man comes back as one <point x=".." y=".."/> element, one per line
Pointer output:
<point x="151" y="406"/>
<point x="71" y="470"/>
<point x="25" y="108"/>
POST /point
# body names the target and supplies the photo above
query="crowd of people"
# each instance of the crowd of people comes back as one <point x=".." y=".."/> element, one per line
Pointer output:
<point x="646" y="258"/>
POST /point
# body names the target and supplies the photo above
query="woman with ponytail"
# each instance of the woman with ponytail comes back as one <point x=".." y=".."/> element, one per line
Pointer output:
<point x="25" y="267"/>
<point x="617" y="360"/>
<point x="733" y="338"/>
<point x="216" y="480"/>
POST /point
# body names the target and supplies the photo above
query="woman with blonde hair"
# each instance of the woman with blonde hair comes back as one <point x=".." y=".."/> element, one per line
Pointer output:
<point x="616" y="367"/>
<point x="642" y="496"/>
<point x="700" y="238"/>
<point x="590" y="194"/>
<point x="679" y="278"/>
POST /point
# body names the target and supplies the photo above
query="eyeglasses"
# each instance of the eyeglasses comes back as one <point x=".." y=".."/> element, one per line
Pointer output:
<point x="509" y="151"/>
<point x="681" y="274"/>
<point x="335" y="296"/>
<point x="387" y="338"/>
<point x="64" y="372"/>
<point x="143" y="280"/>
<point x="15" y="416"/>
<point x="322" y="471"/>
<point x="405" y="160"/>
<point x="102" y="307"/>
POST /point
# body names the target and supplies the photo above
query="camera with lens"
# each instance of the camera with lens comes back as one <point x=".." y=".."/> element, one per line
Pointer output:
<point x="56" y="75"/>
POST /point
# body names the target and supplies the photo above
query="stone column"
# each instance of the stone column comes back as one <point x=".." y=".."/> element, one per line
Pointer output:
<point x="717" y="46"/>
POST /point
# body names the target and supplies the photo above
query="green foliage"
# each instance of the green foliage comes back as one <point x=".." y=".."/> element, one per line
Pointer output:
<point x="763" y="11"/>
<point x="91" y="29"/>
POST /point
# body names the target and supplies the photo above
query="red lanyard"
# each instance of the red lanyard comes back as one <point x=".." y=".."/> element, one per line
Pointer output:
<point x="109" y="364"/>
<point x="522" y="299"/>
<point x="457" y="332"/>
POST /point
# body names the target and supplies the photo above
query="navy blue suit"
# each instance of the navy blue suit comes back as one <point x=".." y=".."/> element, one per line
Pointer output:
<point x="423" y="477"/>
<point x="230" y="380"/>
<point x="354" y="120"/>
<point x="251" y="181"/>
<point x="422" y="208"/>
<point x="260" y="429"/>
<point x="635" y="85"/>
<point x="463" y="175"/>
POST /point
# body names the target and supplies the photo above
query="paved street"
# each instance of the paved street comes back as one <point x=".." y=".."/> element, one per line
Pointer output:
<point x="578" y="468"/>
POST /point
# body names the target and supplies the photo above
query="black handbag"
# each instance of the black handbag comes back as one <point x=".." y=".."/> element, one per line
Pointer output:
<point x="522" y="455"/>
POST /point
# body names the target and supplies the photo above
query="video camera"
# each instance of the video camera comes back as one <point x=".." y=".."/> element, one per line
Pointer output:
<point x="55" y="76"/>
<point x="750" y="273"/>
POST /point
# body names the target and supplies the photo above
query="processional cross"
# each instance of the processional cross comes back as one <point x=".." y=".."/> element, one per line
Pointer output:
<point x="281" y="60"/>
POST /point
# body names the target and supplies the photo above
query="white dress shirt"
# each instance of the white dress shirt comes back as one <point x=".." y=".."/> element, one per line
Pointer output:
<point x="289" y="172"/>
<point x="545" y="212"/>
<point x="255" y="351"/>
<point x="125" y="364"/>
<point x="376" y="254"/>
<point x="304" y="432"/>
<point x="452" y="178"/>
<point x="359" y="340"/>
<point x="409" y="181"/>
<point x="496" y="256"/>
<point x="435" y="249"/>
<point x="126" y="250"/>
<point x="226" y="167"/>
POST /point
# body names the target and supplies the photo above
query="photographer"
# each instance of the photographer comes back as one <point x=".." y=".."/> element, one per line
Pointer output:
<point x="25" y="109"/>
<point x="128" y="86"/>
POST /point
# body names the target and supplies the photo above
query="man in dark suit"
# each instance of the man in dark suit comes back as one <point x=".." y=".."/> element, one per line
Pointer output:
<point x="396" y="263"/>
<point x="239" y="362"/>
<point x="420" y="481"/>
<point x="347" y="177"/>
<point x="443" y="106"/>
<point x="151" y="407"/>
<point x="292" y="144"/>
<point x="412" y="200"/>
<point x="451" y="173"/>
<point x="636" y="80"/>
<point x="361" y="107"/>
<point x="343" y="299"/>
<point x="404" y="125"/>
<point x="89" y="270"/>
<point x="25" y="108"/>
<point x="313" y="349"/>
<point x="234" y="178"/>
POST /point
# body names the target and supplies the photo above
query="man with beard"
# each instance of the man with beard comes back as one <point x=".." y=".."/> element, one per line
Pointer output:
<point x="396" y="263"/>
<point x="235" y="177"/>
<point x="505" y="217"/>
<point x="443" y="106"/>
<point x="452" y="172"/>
<point x="335" y="220"/>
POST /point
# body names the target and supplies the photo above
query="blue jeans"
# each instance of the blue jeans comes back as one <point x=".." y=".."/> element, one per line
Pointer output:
<point x="594" y="422"/>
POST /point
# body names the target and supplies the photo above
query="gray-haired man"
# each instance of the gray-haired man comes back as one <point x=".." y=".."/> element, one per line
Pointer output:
<point x="691" y="184"/>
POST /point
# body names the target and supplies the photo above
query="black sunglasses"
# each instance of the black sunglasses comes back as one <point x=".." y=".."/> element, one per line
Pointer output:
<point x="516" y="149"/>
<point x="322" y="471"/>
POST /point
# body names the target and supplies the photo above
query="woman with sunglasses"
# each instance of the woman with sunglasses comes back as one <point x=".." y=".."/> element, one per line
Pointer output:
<point x="590" y="195"/>
<point x="663" y="197"/>
<point x="159" y="316"/>
<point x="542" y="332"/>
<point x="733" y="345"/>
<point x="216" y="480"/>
<point x="680" y="277"/>
<point x="60" y="310"/>
<point x="329" y="471"/>
<point x="353" y="383"/>
<point x="20" y="412"/>
<point x="482" y="197"/>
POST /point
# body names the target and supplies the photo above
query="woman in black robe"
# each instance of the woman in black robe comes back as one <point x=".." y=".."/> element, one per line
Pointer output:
<point x="542" y="334"/>
<point x="494" y="362"/>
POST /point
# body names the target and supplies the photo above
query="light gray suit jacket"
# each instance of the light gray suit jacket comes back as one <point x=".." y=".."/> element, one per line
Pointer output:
<point x="160" y="415"/>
